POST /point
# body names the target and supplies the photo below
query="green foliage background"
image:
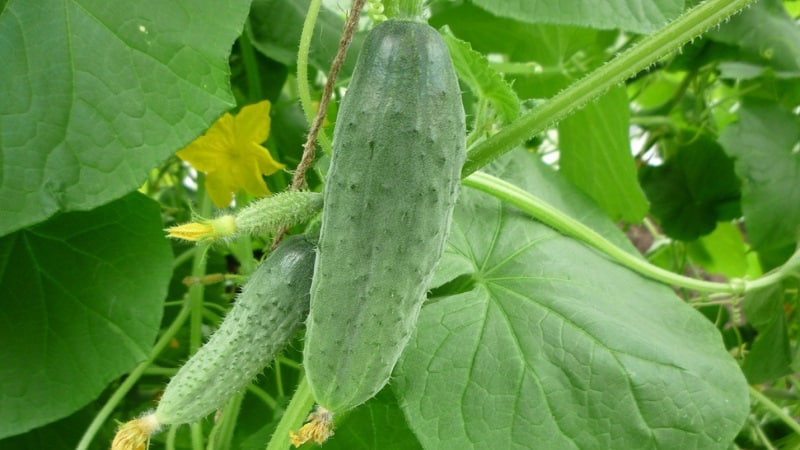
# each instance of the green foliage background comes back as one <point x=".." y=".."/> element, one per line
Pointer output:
<point x="529" y="336"/>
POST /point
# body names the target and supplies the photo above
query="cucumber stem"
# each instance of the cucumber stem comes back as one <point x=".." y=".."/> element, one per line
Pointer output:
<point x="303" y="88"/>
<point x="293" y="417"/>
<point x="133" y="378"/>
<point x="775" y="409"/>
<point x="411" y="9"/>
<point x="561" y="222"/>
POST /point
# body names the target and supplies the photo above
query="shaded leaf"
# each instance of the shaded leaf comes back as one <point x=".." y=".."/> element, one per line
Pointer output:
<point x="63" y="434"/>
<point x="595" y="155"/>
<point x="377" y="424"/>
<point x="276" y="27"/>
<point x="552" y="57"/>
<point x="693" y="190"/>
<point x="770" y="356"/>
<point x="83" y="298"/>
<point x="764" y="143"/>
<point x="558" y="346"/>
<point x="766" y="33"/>
<point x="474" y="70"/>
<point x="103" y="93"/>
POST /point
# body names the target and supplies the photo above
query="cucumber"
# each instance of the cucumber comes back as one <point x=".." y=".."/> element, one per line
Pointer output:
<point x="388" y="200"/>
<point x="267" y="314"/>
<point x="269" y="311"/>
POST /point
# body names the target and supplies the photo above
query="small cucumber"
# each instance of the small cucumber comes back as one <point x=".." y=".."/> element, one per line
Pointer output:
<point x="267" y="314"/>
<point x="388" y="200"/>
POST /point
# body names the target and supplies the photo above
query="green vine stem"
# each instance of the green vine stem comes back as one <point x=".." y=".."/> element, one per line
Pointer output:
<point x="133" y="378"/>
<point x="293" y="417"/>
<point x="303" y="88"/>
<point x="549" y="215"/>
<point x="650" y="49"/>
<point x="254" y="91"/>
<point x="774" y="409"/>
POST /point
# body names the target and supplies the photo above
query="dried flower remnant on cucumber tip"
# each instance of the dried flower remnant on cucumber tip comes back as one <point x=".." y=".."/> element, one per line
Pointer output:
<point x="135" y="434"/>
<point x="318" y="428"/>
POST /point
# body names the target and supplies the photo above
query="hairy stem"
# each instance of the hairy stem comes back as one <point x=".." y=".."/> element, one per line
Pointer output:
<point x="768" y="404"/>
<point x="293" y="417"/>
<point x="338" y="61"/>
<point x="551" y="216"/>
<point x="303" y="87"/>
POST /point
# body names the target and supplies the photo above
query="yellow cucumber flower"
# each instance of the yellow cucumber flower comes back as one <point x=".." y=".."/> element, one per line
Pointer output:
<point x="231" y="154"/>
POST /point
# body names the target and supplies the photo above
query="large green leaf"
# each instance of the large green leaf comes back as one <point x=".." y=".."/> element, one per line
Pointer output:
<point x="764" y="143"/>
<point x="558" y="347"/>
<point x="82" y="301"/>
<point x="96" y="93"/>
<point x="595" y="155"/>
<point x="641" y="16"/>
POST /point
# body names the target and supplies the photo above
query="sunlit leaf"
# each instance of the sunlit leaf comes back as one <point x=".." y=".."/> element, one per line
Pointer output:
<point x="97" y="93"/>
<point x="641" y="16"/>
<point x="558" y="346"/>
<point x="595" y="155"/>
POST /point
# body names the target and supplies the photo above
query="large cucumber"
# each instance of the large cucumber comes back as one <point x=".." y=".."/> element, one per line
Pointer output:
<point x="268" y="312"/>
<point x="388" y="200"/>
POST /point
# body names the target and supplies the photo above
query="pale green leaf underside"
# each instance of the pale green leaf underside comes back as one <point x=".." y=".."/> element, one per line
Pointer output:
<point x="82" y="299"/>
<point x="96" y="93"/>
<point x="558" y="346"/>
<point x="641" y="16"/>
<point x="596" y="156"/>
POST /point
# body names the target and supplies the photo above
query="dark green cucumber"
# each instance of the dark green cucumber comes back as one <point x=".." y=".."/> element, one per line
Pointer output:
<point x="398" y="148"/>
<point x="268" y="312"/>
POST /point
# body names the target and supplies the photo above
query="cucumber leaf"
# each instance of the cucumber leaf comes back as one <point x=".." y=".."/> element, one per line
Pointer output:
<point x="474" y="70"/>
<point x="540" y="60"/>
<point x="558" y="346"/>
<point x="640" y="16"/>
<point x="595" y="155"/>
<point x="694" y="189"/>
<point x="96" y="93"/>
<point x="765" y="32"/>
<point x="276" y="26"/>
<point x="83" y="295"/>
<point x="764" y="143"/>
<point x="770" y="356"/>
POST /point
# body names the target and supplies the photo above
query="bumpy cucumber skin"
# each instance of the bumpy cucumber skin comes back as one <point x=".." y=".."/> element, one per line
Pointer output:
<point x="268" y="312"/>
<point x="388" y="201"/>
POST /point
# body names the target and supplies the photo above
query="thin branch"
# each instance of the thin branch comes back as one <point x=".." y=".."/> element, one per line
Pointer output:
<point x="299" y="181"/>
